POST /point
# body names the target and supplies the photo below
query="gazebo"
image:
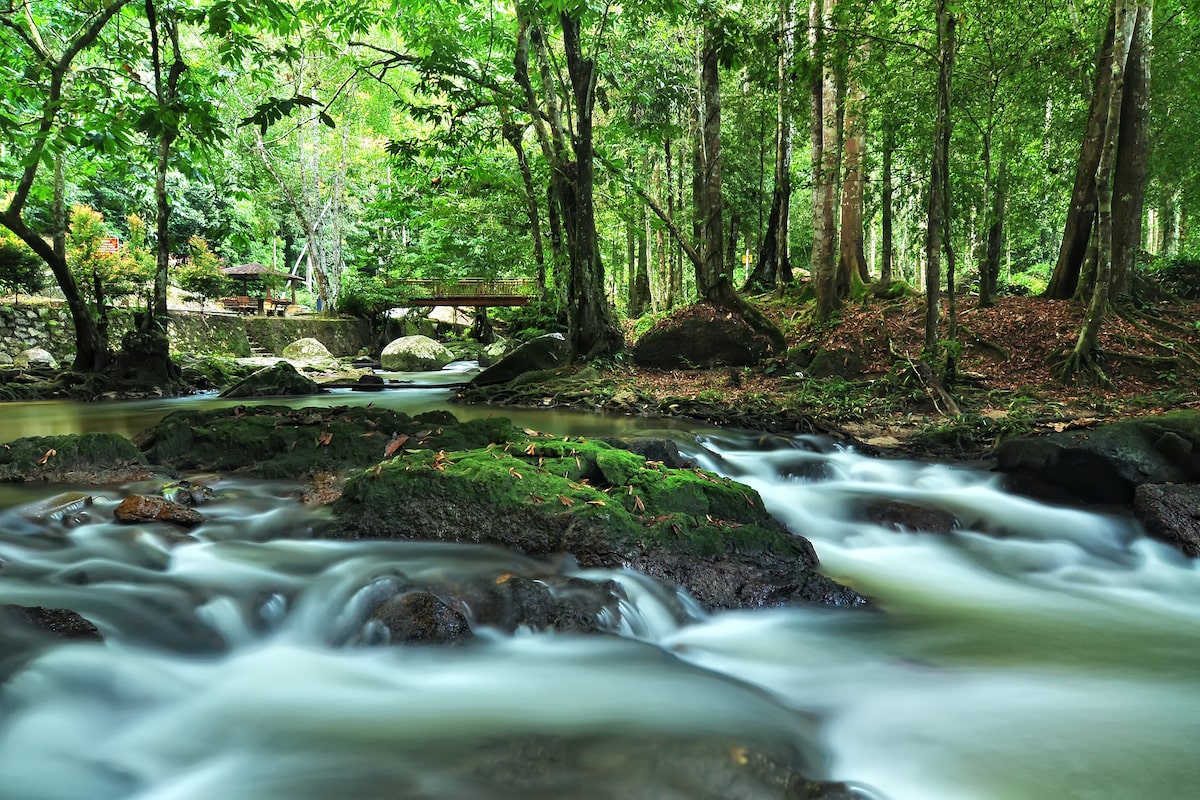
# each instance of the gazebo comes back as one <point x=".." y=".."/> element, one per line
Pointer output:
<point x="254" y="272"/>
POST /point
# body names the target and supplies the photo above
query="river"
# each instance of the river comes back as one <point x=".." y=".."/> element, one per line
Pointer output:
<point x="1033" y="652"/>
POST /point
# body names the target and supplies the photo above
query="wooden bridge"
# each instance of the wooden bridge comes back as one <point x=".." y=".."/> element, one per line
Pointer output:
<point x="473" y="292"/>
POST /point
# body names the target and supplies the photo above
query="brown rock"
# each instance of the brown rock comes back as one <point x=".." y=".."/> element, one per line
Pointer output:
<point x="143" y="508"/>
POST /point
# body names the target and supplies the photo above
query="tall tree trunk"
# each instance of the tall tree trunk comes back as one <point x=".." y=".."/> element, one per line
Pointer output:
<point x="825" y="185"/>
<point x="989" y="269"/>
<point x="1084" y="355"/>
<point x="1081" y="214"/>
<point x="514" y="135"/>
<point x="852" y="260"/>
<point x="1133" y="155"/>
<point x="590" y="328"/>
<point x="774" y="266"/>
<point x="886" y="201"/>
<point x="938" y="228"/>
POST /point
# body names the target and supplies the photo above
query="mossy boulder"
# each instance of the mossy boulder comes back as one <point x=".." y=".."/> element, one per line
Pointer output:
<point x="701" y="336"/>
<point x="1108" y="463"/>
<point x="308" y="350"/>
<point x="543" y="353"/>
<point x="281" y="442"/>
<point x="606" y="507"/>
<point x="278" y="380"/>
<point x="91" y="458"/>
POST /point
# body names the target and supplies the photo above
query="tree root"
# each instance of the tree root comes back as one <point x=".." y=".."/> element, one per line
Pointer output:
<point x="1082" y="368"/>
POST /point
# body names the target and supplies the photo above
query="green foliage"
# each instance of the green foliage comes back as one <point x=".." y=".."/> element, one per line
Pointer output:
<point x="103" y="276"/>
<point x="21" y="270"/>
<point x="201" y="274"/>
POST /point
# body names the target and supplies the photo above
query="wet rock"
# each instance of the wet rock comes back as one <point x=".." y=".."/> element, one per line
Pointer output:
<point x="187" y="493"/>
<point x="89" y="458"/>
<point x="664" y="451"/>
<point x="1104" y="465"/>
<point x="420" y="617"/>
<point x="62" y="623"/>
<point x="605" y="506"/>
<point x="906" y="517"/>
<point x="368" y="383"/>
<point x="279" y="380"/>
<point x="543" y="353"/>
<point x="68" y="509"/>
<point x="143" y="508"/>
<point x="699" y="337"/>
<point x="414" y="354"/>
<point x="1171" y="513"/>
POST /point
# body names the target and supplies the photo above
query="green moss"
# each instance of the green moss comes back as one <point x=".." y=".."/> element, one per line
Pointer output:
<point x="34" y="456"/>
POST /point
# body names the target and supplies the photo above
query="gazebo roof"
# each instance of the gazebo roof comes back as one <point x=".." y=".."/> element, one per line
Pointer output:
<point x="254" y="270"/>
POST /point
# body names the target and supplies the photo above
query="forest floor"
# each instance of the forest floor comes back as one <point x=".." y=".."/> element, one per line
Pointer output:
<point x="859" y="377"/>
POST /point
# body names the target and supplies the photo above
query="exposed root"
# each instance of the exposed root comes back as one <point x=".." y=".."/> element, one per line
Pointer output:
<point x="1083" y="368"/>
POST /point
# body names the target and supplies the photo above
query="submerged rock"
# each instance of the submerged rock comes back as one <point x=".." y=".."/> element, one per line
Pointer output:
<point x="605" y="506"/>
<point x="62" y="623"/>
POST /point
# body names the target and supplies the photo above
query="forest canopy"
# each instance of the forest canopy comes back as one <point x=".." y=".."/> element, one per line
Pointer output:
<point x="630" y="158"/>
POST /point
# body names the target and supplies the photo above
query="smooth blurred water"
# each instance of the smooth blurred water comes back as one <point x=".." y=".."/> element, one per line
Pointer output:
<point x="1029" y="652"/>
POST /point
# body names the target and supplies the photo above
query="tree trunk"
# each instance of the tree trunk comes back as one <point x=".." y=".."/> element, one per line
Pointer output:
<point x="774" y="266"/>
<point x="826" y="178"/>
<point x="852" y="260"/>
<point x="1083" y="356"/>
<point x="514" y="134"/>
<point x="938" y="228"/>
<point x="590" y="328"/>
<point x="989" y="269"/>
<point x="886" y="200"/>
<point x="1081" y="214"/>
<point x="1133" y="155"/>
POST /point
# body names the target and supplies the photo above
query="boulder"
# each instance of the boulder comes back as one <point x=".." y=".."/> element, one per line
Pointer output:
<point x="89" y="458"/>
<point x="308" y="351"/>
<point x="1171" y="513"/>
<point x="34" y="358"/>
<point x="60" y="622"/>
<point x="492" y="353"/>
<point x="606" y="507"/>
<point x="280" y="442"/>
<point x="414" y="354"/>
<point x="543" y="353"/>
<point x="279" y="380"/>
<point x="1106" y="464"/>
<point x="699" y="337"/>
<point x="144" y="508"/>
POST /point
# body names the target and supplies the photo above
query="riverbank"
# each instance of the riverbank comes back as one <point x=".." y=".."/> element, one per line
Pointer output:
<point x="860" y="379"/>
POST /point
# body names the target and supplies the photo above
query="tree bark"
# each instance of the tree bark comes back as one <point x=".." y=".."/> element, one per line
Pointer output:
<point x="590" y="328"/>
<point x="774" y="265"/>
<point x="1133" y="155"/>
<point x="827" y="155"/>
<point x="886" y="200"/>
<point x="1083" y="356"/>
<point x="937" y="231"/>
<point x="852" y="260"/>
<point x="1081" y="214"/>
<point x="989" y="269"/>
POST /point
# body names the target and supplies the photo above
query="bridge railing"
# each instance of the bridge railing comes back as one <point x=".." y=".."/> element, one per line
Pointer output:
<point x="468" y="288"/>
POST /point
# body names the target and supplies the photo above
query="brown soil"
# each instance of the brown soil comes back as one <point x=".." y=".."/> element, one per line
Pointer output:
<point x="1007" y="378"/>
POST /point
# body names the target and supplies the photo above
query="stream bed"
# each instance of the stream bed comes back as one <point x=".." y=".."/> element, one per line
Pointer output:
<point x="1032" y="651"/>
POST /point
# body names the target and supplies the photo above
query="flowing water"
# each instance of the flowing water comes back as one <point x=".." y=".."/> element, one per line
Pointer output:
<point x="1031" y="652"/>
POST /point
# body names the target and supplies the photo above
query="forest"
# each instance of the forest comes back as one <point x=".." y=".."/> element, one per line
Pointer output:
<point x="631" y="159"/>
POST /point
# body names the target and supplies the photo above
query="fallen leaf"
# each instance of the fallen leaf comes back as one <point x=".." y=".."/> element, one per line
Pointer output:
<point x="566" y="501"/>
<point x="46" y="457"/>
<point x="637" y="503"/>
<point x="325" y="438"/>
<point x="516" y="474"/>
<point x="596" y="503"/>
<point x="531" y="449"/>
<point x="395" y="444"/>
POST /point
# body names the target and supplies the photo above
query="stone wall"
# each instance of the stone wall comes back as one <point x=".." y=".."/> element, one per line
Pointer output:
<point x="50" y="328"/>
<point x="47" y="327"/>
